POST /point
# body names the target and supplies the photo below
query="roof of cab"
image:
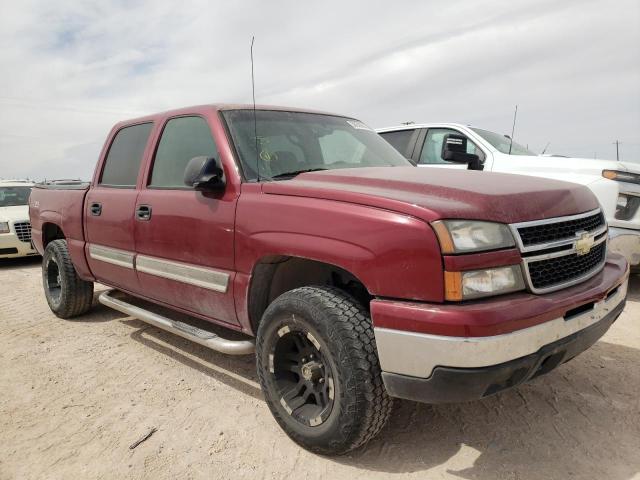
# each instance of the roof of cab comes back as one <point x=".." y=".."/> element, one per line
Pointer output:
<point x="219" y="107"/>
<point x="413" y="126"/>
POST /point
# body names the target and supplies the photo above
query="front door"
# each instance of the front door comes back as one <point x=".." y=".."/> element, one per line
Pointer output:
<point x="184" y="238"/>
<point x="110" y="204"/>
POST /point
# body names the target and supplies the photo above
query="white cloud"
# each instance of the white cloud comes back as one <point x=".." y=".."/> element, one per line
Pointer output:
<point x="70" y="70"/>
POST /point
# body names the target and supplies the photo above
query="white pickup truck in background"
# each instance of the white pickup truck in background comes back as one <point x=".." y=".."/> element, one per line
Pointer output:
<point x="616" y="184"/>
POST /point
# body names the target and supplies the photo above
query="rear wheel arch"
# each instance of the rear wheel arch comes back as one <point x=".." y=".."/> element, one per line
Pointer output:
<point x="274" y="275"/>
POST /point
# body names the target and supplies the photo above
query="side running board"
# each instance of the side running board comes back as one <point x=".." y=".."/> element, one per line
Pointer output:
<point x="198" y="335"/>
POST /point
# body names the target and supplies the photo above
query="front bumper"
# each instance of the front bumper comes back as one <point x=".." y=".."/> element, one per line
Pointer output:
<point x="482" y="347"/>
<point x="626" y="242"/>
<point x="11" y="246"/>
<point x="447" y="384"/>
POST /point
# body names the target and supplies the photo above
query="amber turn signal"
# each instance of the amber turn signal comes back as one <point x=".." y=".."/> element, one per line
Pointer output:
<point x="444" y="237"/>
<point x="453" y="286"/>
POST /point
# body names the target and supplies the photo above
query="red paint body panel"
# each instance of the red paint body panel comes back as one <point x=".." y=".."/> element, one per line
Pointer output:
<point x="372" y="222"/>
<point x="362" y="240"/>
<point x="201" y="234"/>
<point x="65" y="210"/>
<point x="497" y="315"/>
<point x="113" y="229"/>
<point x="440" y="193"/>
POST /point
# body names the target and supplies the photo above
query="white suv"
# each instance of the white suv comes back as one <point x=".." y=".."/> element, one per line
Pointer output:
<point x="15" y="229"/>
<point x="616" y="184"/>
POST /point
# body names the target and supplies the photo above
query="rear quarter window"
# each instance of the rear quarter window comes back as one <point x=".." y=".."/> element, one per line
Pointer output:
<point x="122" y="164"/>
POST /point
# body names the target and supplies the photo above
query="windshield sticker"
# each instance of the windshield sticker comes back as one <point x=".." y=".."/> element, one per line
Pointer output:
<point x="358" y="125"/>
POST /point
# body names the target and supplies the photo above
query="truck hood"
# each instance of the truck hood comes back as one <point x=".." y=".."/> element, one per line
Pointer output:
<point x="14" y="214"/>
<point x="578" y="170"/>
<point x="435" y="193"/>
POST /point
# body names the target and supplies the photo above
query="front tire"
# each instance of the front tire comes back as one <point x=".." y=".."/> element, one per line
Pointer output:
<point x="67" y="294"/>
<point x="319" y="371"/>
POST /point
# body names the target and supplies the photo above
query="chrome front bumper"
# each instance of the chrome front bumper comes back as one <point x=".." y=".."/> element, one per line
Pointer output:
<point x="418" y="354"/>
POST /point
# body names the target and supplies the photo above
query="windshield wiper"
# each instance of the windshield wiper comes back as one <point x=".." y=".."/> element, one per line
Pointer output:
<point x="293" y="173"/>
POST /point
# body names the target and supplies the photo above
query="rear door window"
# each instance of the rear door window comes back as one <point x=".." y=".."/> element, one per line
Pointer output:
<point x="183" y="138"/>
<point x="125" y="154"/>
<point x="401" y="140"/>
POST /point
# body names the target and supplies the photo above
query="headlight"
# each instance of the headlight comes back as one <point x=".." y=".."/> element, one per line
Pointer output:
<point x="4" y="227"/>
<point x="463" y="236"/>
<point x="621" y="176"/>
<point x="482" y="283"/>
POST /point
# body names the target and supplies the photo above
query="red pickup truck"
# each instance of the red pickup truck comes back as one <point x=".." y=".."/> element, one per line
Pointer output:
<point x="360" y="276"/>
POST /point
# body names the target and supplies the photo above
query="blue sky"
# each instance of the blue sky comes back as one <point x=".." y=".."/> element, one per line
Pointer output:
<point x="71" y="69"/>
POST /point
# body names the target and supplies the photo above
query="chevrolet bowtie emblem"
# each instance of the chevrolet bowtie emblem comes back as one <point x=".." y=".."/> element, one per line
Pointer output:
<point x="584" y="243"/>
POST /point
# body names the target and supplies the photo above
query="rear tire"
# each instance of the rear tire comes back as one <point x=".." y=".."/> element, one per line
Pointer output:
<point x="319" y="370"/>
<point x="67" y="294"/>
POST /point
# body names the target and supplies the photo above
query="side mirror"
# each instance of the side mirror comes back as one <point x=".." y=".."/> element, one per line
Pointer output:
<point x="454" y="149"/>
<point x="204" y="173"/>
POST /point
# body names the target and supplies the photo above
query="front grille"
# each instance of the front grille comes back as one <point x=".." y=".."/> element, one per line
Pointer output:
<point x="551" y="232"/>
<point x="550" y="250"/>
<point x="559" y="270"/>
<point x="23" y="231"/>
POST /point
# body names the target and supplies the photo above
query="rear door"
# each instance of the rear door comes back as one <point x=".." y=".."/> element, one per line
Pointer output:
<point x="109" y="209"/>
<point x="184" y="238"/>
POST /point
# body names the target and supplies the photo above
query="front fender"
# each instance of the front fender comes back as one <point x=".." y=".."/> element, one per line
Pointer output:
<point x="394" y="255"/>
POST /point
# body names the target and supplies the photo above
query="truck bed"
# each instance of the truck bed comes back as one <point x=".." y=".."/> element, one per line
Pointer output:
<point x="58" y="205"/>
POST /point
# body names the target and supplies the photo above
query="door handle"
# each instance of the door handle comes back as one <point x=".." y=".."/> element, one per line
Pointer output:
<point x="96" y="209"/>
<point x="143" y="212"/>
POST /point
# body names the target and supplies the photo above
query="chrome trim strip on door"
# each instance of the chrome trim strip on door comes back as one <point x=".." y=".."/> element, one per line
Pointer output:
<point x="122" y="258"/>
<point x="199" y="276"/>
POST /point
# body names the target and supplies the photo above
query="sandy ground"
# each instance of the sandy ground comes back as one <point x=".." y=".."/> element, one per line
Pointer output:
<point x="76" y="394"/>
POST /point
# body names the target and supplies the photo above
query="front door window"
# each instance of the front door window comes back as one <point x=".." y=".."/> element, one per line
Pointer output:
<point x="432" y="148"/>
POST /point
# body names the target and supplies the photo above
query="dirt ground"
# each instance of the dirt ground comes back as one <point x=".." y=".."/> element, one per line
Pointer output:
<point x="76" y="394"/>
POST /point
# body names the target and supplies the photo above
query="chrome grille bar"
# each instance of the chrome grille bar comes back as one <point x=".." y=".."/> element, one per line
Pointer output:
<point x="555" y="252"/>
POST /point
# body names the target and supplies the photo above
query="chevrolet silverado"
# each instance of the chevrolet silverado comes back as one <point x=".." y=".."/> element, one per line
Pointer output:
<point x="354" y="276"/>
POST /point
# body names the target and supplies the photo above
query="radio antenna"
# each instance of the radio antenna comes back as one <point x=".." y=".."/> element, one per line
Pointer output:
<point x="255" y="120"/>
<point x="545" y="148"/>
<point x="513" y="128"/>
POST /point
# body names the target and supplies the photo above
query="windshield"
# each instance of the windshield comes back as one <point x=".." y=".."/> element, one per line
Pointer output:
<point x="290" y="142"/>
<point x="12" y="196"/>
<point x="502" y="143"/>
